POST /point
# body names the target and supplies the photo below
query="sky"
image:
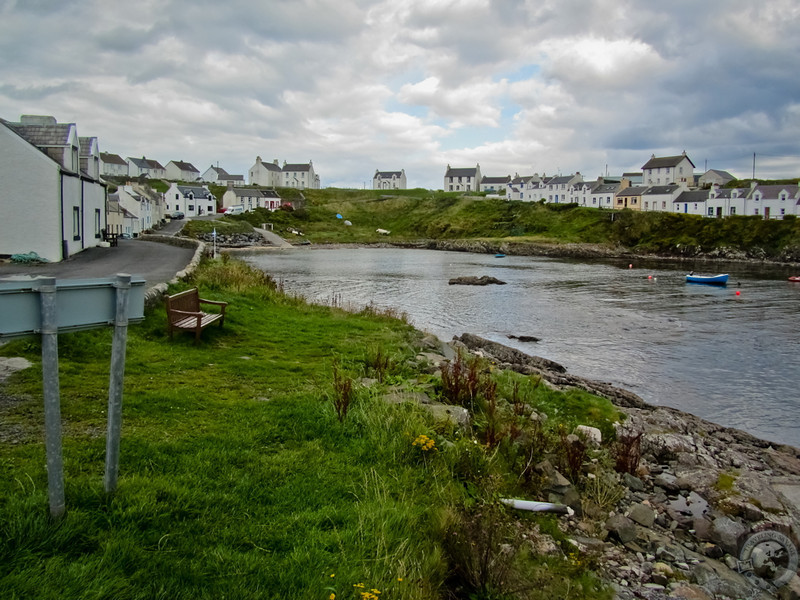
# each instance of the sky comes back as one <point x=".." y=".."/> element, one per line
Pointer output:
<point x="517" y="86"/>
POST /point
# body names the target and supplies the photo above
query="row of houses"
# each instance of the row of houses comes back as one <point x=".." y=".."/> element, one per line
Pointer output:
<point x="56" y="203"/>
<point x="667" y="184"/>
<point x="294" y="175"/>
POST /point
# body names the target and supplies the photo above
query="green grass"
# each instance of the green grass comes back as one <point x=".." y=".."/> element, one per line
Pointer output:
<point x="236" y="478"/>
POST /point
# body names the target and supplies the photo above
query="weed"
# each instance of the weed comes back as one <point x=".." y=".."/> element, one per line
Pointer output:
<point x="377" y="362"/>
<point x="627" y="450"/>
<point x="604" y="490"/>
<point x="461" y="381"/>
<point x="572" y="453"/>
<point x="343" y="392"/>
<point x="725" y="481"/>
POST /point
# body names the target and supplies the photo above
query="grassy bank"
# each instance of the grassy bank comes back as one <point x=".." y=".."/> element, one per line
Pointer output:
<point x="423" y="214"/>
<point x="257" y="464"/>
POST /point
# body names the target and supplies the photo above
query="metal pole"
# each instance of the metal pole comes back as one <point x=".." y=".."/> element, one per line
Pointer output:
<point x="117" y="374"/>
<point x="52" y="402"/>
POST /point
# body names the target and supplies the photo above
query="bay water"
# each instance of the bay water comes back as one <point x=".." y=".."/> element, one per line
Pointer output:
<point x="733" y="359"/>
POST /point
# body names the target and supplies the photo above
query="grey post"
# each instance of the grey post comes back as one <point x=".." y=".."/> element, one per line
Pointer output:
<point x="52" y="401"/>
<point x="123" y="286"/>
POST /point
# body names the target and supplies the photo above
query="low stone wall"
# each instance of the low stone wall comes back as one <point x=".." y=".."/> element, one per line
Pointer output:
<point x="153" y="295"/>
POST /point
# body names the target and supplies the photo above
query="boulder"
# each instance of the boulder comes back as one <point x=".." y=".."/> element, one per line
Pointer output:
<point x="642" y="514"/>
<point x="621" y="528"/>
<point x="472" y="280"/>
<point x="726" y="532"/>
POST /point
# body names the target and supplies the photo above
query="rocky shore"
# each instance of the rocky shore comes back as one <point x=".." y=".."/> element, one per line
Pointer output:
<point x="709" y="513"/>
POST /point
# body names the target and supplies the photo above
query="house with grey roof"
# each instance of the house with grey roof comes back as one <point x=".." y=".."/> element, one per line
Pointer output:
<point x="494" y="184"/>
<point x="773" y="201"/>
<point x="660" y="197"/>
<point x="517" y="187"/>
<point x="250" y="198"/>
<point x="300" y="176"/>
<point x="559" y="189"/>
<point x="630" y="197"/>
<point x="714" y="177"/>
<point x="220" y="176"/>
<point x="462" y="179"/>
<point x="191" y="200"/>
<point x="113" y="165"/>
<point x="389" y="180"/>
<point x="691" y="202"/>
<point x="268" y="174"/>
<point x="602" y="195"/>
<point x="51" y="197"/>
<point x="152" y="169"/>
<point x="725" y="202"/>
<point x="668" y="169"/>
<point x="178" y="170"/>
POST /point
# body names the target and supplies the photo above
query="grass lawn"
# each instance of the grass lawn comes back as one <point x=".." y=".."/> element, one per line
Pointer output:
<point x="237" y="479"/>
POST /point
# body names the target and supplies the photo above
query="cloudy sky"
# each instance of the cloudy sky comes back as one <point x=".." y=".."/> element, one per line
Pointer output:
<point x="519" y="86"/>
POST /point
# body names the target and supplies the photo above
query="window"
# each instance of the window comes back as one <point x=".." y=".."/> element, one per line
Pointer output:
<point x="177" y="196"/>
<point x="451" y="187"/>
<point x="710" y="211"/>
<point x="666" y="170"/>
<point x="755" y="211"/>
<point x="97" y="223"/>
<point x="190" y="207"/>
<point x="76" y="223"/>
<point x="783" y="211"/>
<point x="733" y="210"/>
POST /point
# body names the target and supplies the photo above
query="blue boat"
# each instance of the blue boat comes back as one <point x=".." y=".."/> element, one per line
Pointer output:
<point x="709" y="279"/>
<point x="499" y="255"/>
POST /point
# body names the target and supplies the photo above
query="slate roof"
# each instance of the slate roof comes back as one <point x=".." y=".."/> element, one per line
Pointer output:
<point x="665" y="161"/>
<point x="773" y="191"/>
<point x="606" y="188"/>
<point x="692" y="196"/>
<point x="461" y="172"/>
<point x="636" y="190"/>
<point x="723" y="174"/>
<point x="271" y="166"/>
<point x="197" y="192"/>
<point x="661" y="189"/>
<point x="388" y="174"/>
<point x="112" y="159"/>
<point x="184" y="166"/>
<point x="504" y="180"/>
<point x="50" y="138"/>
<point x="86" y="145"/>
<point x="559" y="180"/>
<point x="251" y="192"/>
<point x="295" y="167"/>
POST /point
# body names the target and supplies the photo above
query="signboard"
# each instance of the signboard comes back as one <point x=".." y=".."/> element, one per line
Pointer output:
<point x="82" y="304"/>
<point x="47" y="307"/>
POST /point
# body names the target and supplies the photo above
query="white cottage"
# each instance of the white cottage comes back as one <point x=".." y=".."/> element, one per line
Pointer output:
<point x="668" y="169"/>
<point x="113" y="165"/>
<point x="300" y="176"/>
<point x="462" y="179"/>
<point x="266" y="174"/>
<point x="220" y="176"/>
<point x="178" y="170"/>
<point x="191" y="200"/>
<point x="50" y="205"/>
<point x="389" y="180"/>
<point x="250" y="198"/>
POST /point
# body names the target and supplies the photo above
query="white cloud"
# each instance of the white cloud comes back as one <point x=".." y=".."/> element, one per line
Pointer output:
<point x="354" y="85"/>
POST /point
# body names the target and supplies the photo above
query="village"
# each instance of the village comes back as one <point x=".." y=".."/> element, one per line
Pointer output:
<point x="56" y="200"/>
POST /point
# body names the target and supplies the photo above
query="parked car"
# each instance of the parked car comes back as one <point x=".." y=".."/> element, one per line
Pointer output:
<point x="177" y="214"/>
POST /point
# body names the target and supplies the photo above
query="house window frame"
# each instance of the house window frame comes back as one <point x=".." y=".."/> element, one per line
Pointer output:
<point x="76" y="223"/>
<point x="97" y="223"/>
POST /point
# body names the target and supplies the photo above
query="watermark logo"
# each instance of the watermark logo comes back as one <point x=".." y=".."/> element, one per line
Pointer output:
<point x="768" y="559"/>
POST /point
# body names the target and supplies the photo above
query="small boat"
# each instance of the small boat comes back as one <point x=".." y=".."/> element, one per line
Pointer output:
<point x="710" y="279"/>
<point x="795" y="278"/>
<point x="499" y="255"/>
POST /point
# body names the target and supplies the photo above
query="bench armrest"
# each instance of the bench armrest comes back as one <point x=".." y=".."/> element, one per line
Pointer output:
<point x="222" y="305"/>
<point x="185" y="312"/>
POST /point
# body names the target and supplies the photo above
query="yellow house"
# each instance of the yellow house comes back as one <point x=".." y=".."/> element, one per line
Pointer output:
<point x="630" y="197"/>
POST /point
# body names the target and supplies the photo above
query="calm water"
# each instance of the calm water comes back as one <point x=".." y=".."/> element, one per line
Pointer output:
<point x="731" y="359"/>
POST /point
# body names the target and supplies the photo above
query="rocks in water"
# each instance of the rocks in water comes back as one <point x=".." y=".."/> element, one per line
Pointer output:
<point x="523" y="338"/>
<point x="484" y="280"/>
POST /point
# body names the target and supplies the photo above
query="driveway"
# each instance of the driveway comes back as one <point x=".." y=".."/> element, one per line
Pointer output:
<point x="154" y="262"/>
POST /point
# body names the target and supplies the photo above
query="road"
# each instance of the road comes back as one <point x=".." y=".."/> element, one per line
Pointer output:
<point x="154" y="262"/>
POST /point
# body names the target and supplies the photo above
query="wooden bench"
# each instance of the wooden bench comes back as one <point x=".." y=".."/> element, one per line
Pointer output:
<point x="183" y="313"/>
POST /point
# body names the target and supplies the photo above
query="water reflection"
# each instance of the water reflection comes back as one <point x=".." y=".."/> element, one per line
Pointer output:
<point x="731" y="359"/>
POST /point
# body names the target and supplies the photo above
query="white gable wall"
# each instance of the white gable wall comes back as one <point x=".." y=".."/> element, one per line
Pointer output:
<point x="31" y="215"/>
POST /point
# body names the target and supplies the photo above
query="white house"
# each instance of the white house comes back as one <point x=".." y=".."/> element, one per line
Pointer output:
<point x="462" y="179"/>
<point x="147" y="167"/>
<point x="191" y="200"/>
<point x="300" y="175"/>
<point x="668" y="169"/>
<point x="141" y="206"/>
<point x="178" y="170"/>
<point x="49" y="204"/>
<point x="691" y="202"/>
<point x="220" y="176"/>
<point x="558" y="189"/>
<point x="773" y="201"/>
<point x="113" y="165"/>
<point x="602" y="195"/>
<point x="266" y="174"/>
<point x="714" y="177"/>
<point x="724" y="202"/>
<point x="494" y="184"/>
<point x="389" y="180"/>
<point x="251" y="198"/>
<point x="659" y="198"/>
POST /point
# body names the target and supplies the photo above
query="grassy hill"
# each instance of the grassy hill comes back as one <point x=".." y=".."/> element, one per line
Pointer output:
<point x="422" y="214"/>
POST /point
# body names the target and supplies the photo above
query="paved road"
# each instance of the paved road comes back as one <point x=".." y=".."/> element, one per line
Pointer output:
<point x="156" y="263"/>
